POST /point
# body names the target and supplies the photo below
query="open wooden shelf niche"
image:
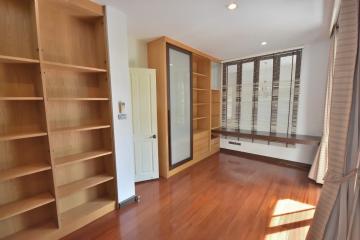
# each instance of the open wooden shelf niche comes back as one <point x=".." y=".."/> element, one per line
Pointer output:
<point x="201" y="106"/>
<point x="215" y="109"/>
<point x="201" y="93"/>
<point x="56" y="140"/>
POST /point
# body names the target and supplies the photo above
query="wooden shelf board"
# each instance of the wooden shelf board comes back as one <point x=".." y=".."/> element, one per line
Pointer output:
<point x="83" y="184"/>
<point x="199" y="104"/>
<point x="9" y="59"/>
<point x="72" y="67"/>
<point x="15" y="136"/>
<point x="85" y="209"/>
<point x="76" y="99"/>
<point x="35" y="232"/>
<point x="199" y="74"/>
<point x="80" y="128"/>
<point x="24" y="170"/>
<point x="199" y="118"/>
<point x="75" y="158"/>
<point x="21" y="206"/>
<point x="200" y="89"/>
<point x="21" y="98"/>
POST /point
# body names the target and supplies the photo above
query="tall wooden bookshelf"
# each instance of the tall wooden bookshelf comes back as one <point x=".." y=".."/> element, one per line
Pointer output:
<point x="201" y="102"/>
<point x="215" y="109"/>
<point x="201" y="106"/>
<point x="57" y="170"/>
<point x="215" y="119"/>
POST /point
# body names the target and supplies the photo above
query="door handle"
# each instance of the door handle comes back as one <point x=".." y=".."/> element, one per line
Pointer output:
<point x="153" y="136"/>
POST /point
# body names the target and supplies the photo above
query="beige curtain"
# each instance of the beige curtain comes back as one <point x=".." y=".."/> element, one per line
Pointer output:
<point x="336" y="216"/>
<point x="320" y="164"/>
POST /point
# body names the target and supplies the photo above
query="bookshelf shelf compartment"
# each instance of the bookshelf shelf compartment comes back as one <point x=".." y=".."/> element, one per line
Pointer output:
<point x="43" y="230"/>
<point x="200" y="131"/>
<point x="80" y="157"/>
<point x="23" y="170"/>
<point x="21" y="206"/>
<point x="81" y="9"/>
<point x="70" y="188"/>
<point x="86" y="209"/>
<point x="78" y="27"/>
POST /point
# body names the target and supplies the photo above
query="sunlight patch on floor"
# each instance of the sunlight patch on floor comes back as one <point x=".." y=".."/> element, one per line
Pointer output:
<point x="291" y="234"/>
<point x="286" y="206"/>
<point x="291" y="220"/>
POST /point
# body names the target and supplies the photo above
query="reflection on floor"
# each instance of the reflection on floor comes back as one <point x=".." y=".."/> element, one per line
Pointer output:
<point x="224" y="197"/>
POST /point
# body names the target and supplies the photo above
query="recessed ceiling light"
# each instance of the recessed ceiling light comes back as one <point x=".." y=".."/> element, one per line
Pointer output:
<point x="232" y="6"/>
<point x="263" y="43"/>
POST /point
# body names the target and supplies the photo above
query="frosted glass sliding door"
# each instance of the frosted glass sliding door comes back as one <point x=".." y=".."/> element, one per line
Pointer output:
<point x="179" y="105"/>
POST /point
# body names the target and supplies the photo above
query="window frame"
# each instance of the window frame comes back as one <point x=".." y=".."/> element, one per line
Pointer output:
<point x="294" y="95"/>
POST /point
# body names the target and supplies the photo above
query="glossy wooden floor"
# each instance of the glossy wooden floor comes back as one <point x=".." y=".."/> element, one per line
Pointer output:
<point x="224" y="197"/>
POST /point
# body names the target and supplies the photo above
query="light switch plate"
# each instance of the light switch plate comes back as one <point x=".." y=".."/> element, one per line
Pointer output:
<point x="122" y="116"/>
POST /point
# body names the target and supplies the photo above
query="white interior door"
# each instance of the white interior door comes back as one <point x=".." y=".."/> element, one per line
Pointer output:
<point x="143" y="89"/>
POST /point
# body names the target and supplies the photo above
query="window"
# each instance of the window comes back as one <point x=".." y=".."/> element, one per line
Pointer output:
<point x="262" y="93"/>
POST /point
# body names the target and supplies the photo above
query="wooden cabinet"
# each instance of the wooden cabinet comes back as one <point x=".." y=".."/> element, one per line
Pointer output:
<point x="56" y="149"/>
<point x="201" y="102"/>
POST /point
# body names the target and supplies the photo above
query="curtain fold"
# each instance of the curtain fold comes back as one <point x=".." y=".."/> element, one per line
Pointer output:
<point x="344" y="220"/>
<point x="320" y="164"/>
<point x="337" y="213"/>
<point x="353" y="158"/>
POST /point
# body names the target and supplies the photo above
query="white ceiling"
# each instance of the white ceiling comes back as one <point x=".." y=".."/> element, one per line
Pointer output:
<point x="209" y="26"/>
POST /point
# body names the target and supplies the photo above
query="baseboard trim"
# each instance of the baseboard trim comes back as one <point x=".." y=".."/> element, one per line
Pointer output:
<point x="271" y="160"/>
<point x="130" y="200"/>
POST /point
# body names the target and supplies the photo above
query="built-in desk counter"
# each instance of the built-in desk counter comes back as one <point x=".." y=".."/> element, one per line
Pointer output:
<point x="267" y="136"/>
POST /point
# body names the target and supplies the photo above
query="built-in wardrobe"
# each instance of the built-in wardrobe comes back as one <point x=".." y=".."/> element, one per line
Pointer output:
<point x="56" y="136"/>
<point x="188" y="103"/>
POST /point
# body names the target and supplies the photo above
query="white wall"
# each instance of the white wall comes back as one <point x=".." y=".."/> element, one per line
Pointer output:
<point x="121" y="91"/>
<point x="137" y="52"/>
<point x="314" y="67"/>
<point x="311" y="108"/>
